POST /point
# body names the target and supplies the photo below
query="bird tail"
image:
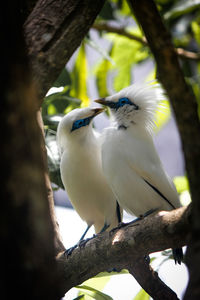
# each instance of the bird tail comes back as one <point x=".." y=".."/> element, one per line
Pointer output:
<point x="178" y="255"/>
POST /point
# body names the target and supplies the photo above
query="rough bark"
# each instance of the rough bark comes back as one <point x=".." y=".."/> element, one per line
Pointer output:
<point x="185" y="108"/>
<point x="59" y="247"/>
<point x="53" y="32"/>
<point x="150" y="280"/>
<point x="26" y="231"/>
<point x="123" y="248"/>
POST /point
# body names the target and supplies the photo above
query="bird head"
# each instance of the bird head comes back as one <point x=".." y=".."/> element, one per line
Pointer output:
<point x="76" y="125"/>
<point x="134" y="105"/>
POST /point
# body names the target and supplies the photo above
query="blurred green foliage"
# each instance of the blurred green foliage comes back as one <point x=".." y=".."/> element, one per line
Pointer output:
<point x="116" y="59"/>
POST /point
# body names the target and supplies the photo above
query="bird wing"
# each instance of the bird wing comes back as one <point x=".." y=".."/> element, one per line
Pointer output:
<point x="145" y="161"/>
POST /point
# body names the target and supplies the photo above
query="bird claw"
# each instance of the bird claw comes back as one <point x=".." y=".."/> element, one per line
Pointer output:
<point x="147" y="259"/>
<point x="146" y="214"/>
<point x="81" y="245"/>
<point x="121" y="225"/>
<point x="69" y="251"/>
<point x="114" y="270"/>
<point x="84" y="242"/>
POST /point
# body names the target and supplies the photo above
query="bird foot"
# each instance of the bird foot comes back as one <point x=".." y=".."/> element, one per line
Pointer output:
<point x="69" y="251"/>
<point x="147" y="259"/>
<point x="80" y="244"/>
<point x="114" y="270"/>
<point x="121" y="225"/>
<point x="84" y="242"/>
<point x="146" y="214"/>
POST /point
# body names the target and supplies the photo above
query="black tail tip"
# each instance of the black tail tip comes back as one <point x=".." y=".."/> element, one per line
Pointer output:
<point x="178" y="255"/>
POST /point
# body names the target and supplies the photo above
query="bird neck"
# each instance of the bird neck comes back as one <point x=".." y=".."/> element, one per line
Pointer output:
<point x="133" y="130"/>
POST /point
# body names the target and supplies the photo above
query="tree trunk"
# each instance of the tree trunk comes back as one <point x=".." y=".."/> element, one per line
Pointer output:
<point x="185" y="107"/>
<point x="27" y="247"/>
<point x="53" y="31"/>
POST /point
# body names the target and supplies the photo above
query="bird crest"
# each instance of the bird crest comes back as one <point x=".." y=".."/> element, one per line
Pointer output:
<point x="136" y="105"/>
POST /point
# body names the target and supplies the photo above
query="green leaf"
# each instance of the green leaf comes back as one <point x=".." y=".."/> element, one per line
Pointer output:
<point x="122" y="7"/>
<point x="125" y="9"/>
<point x="181" y="183"/>
<point x="99" y="49"/>
<point x="53" y="158"/>
<point x="162" y="115"/>
<point x="93" y="293"/>
<point x="196" y="30"/>
<point x="125" y="53"/>
<point x="79" y="78"/>
<point x="58" y="102"/>
<point x="182" y="7"/>
<point x="106" y="274"/>
<point x="63" y="79"/>
<point x="79" y="297"/>
<point x="101" y="73"/>
<point x="182" y="187"/>
<point x="107" y="12"/>
<point x="52" y="120"/>
<point x="142" y="295"/>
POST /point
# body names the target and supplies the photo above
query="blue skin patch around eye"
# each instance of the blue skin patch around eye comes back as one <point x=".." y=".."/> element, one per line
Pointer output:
<point x="80" y="123"/>
<point x="121" y="102"/>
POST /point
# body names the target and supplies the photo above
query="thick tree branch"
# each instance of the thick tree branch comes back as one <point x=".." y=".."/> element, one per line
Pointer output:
<point x="26" y="230"/>
<point x="53" y="32"/>
<point x="104" y="26"/>
<point x="59" y="247"/>
<point x="121" y="248"/>
<point x="150" y="281"/>
<point x="185" y="107"/>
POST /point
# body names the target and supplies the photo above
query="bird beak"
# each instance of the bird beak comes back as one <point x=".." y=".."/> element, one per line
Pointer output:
<point x="97" y="111"/>
<point x="102" y="101"/>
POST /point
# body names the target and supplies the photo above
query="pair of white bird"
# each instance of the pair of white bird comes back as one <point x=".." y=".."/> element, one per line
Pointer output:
<point x="121" y="166"/>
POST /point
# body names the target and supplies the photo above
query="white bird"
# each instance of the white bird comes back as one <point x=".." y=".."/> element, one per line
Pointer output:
<point x="130" y="161"/>
<point x="81" y="171"/>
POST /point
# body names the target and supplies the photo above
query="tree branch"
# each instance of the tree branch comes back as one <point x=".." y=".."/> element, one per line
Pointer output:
<point x="123" y="248"/>
<point x="53" y="31"/>
<point x="103" y="26"/>
<point x="59" y="247"/>
<point x="150" y="281"/>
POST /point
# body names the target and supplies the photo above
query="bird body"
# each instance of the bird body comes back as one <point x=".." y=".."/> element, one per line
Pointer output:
<point x="81" y="170"/>
<point x="132" y="166"/>
<point x="130" y="161"/>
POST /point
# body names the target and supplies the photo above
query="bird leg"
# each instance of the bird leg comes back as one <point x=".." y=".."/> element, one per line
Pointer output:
<point x="83" y="242"/>
<point x="146" y="214"/>
<point x="141" y="217"/>
<point x="69" y="251"/>
<point x="105" y="226"/>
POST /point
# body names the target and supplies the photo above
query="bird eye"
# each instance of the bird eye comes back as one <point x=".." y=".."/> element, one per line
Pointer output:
<point x="123" y="101"/>
<point x="80" y="123"/>
<point x="77" y="124"/>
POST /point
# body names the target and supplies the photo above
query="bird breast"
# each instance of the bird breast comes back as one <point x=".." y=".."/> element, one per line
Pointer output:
<point x="82" y="176"/>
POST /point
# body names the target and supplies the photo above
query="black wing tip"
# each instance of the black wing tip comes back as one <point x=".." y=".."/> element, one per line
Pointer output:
<point x="178" y="255"/>
<point x="119" y="216"/>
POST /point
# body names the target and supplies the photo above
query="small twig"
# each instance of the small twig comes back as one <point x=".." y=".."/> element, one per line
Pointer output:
<point x="103" y="26"/>
<point x="187" y="54"/>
